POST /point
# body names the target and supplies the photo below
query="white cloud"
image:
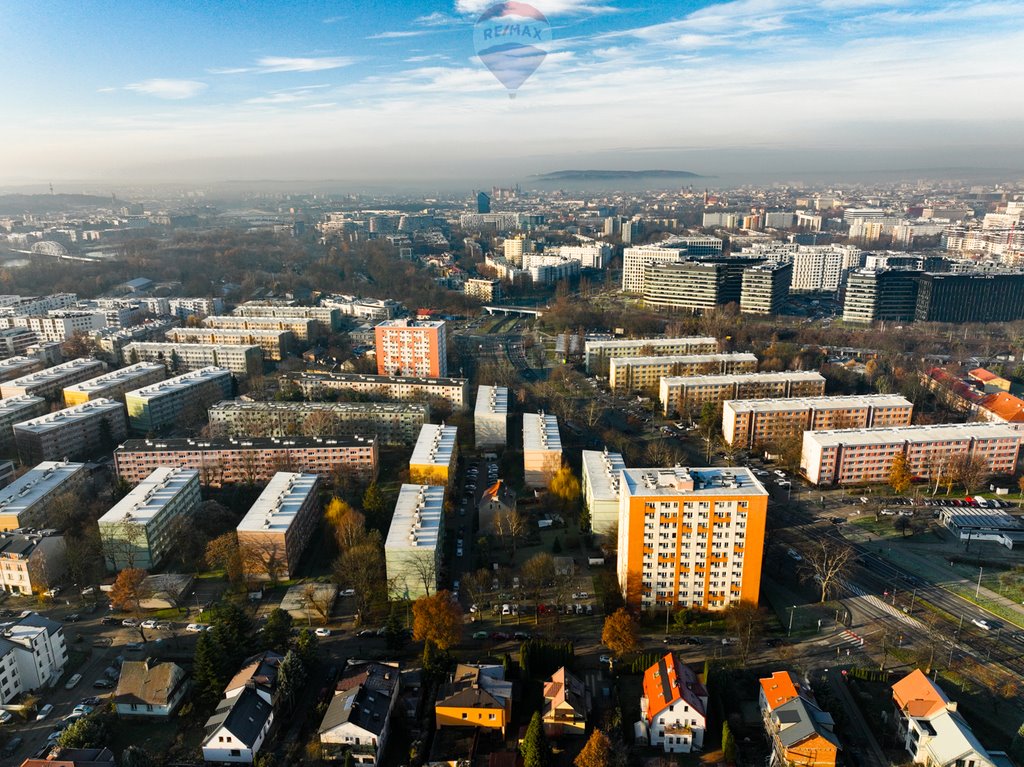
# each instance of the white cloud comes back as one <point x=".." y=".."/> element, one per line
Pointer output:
<point x="436" y="19"/>
<point x="334" y="19"/>
<point x="547" y="7"/>
<point x="164" y="88"/>
<point x="272" y="64"/>
<point x="397" y="35"/>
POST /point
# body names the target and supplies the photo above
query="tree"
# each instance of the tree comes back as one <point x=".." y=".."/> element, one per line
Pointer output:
<point x="135" y="756"/>
<point x="565" y="487"/>
<point x="85" y="732"/>
<point x="970" y="471"/>
<point x="361" y="568"/>
<point x="1020" y="484"/>
<point x="128" y="591"/>
<point x="902" y="524"/>
<point x="291" y="675"/>
<point x="597" y="752"/>
<point x="347" y="524"/>
<point x="745" y="621"/>
<point x="277" y="631"/>
<point x="535" y="748"/>
<point x="320" y="423"/>
<point x="208" y="668"/>
<point x="620" y="633"/>
<point x="900" y="475"/>
<point x="394" y="636"/>
<point x="828" y="561"/>
<point x="373" y="503"/>
<point x="123" y="542"/>
<point x="308" y="648"/>
<point x="320" y="600"/>
<point x="510" y="527"/>
<point x="537" y="572"/>
<point x="224" y="552"/>
<point x="437" y="619"/>
<point x="728" y="744"/>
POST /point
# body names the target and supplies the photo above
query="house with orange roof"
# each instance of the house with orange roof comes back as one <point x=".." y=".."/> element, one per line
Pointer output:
<point x="1003" y="407"/>
<point x="566" y="705"/>
<point x="989" y="381"/>
<point x="932" y="730"/>
<point x="781" y="687"/>
<point x="673" y="707"/>
<point x="801" y="732"/>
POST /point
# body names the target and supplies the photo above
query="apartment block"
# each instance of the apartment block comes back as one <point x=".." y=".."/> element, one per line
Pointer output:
<point x="249" y="461"/>
<point x="693" y="285"/>
<point x="599" y="352"/>
<point x="49" y="382"/>
<point x="759" y="422"/>
<point x="874" y="295"/>
<point x="600" y="486"/>
<point x="485" y="290"/>
<point x="114" y="340"/>
<point x="302" y="328"/>
<point x="490" y="417"/>
<point x="415" y="542"/>
<point x="240" y="360"/>
<point x="14" y="342"/>
<point x="690" y="537"/>
<point x="685" y="395"/>
<point x="61" y="325"/>
<point x="409" y="348"/>
<point x="115" y="384"/>
<point x="434" y="456"/>
<point x="626" y="374"/>
<point x="636" y="260"/>
<point x="275" y="344"/>
<point x="74" y="433"/>
<point x="27" y="501"/>
<point x="17" y="410"/>
<point x="139" y="531"/>
<point x="453" y="391"/>
<point x="188" y="396"/>
<point x="855" y="456"/>
<point x="765" y="288"/>
<point x="16" y="367"/>
<point x="279" y="525"/>
<point x="542" y="449"/>
<point x="362" y="308"/>
<point x="393" y="423"/>
<point x="328" y="316"/>
<point x="31" y="562"/>
<point x="183" y="308"/>
<point x="32" y="656"/>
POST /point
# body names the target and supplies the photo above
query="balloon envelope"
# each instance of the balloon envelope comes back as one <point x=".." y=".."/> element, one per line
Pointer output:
<point x="513" y="63"/>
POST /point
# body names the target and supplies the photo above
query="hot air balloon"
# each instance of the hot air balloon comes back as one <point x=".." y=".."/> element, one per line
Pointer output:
<point x="510" y="39"/>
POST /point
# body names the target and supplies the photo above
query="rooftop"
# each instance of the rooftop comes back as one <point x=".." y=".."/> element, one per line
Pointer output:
<point x="540" y="432"/>
<point x="14" y="545"/>
<point x="405" y="323"/>
<point x="148" y="498"/>
<point x="124" y="375"/>
<point x="61" y="418"/>
<point x="36" y="484"/>
<point x="56" y="372"/>
<point x="684" y="359"/>
<point x="16" y="404"/>
<point x="492" y="400"/>
<point x="178" y="383"/>
<point x="253" y="443"/>
<point x="602" y="469"/>
<point x="165" y="346"/>
<point x="639" y="343"/>
<point x="435" y="446"/>
<point x="279" y="503"/>
<point x="16" y="363"/>
<point x="818" y="403"/>
<point x="383" y="380"/>
<point x="711" y="481"/>
<point x="393" y="408"/>
<point x="231" y="332"/>
<point x="929" y="433"/>
<point x="785" y="375"/>
<point x="418" y="517"/>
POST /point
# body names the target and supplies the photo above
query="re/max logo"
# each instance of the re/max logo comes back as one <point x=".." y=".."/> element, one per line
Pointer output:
<point x="512" y="30"/>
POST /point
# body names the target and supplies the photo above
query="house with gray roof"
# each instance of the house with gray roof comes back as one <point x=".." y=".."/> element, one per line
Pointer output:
<point x="149" y="689"/>
<point x="238" y="728"/>
<point x="358" y="719"/>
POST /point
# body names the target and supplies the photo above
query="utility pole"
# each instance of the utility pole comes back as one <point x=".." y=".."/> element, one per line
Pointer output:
<point x="977" y="591"/>
<point x="790" y="631"/>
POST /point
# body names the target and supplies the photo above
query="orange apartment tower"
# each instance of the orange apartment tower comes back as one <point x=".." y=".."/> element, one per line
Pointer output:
<point x="691" y="537"/>
<point x="410" y="348"/>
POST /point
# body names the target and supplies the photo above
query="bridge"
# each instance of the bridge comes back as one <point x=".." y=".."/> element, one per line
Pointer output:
<point x="520" y="311"/>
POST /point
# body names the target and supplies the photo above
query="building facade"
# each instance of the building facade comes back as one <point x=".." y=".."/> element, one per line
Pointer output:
<point x="542" y="449"/>
<point x="599" y="352"/>
<point x="31" y="563"/>
<point x="600" y="486"/>
<point x="113" y="385"/>
<point x="645" y="373"/>
<point x="28" y="500"/>
<point x="409" y="348"/>
<point x="636" y="260"/>
<point x="18" y="410"/>
<point x="415" y="542"/>
<point x="453" y="391"/>
<point x="74" y="433"/>
<point x="434" y="456"/>
<point x="302" y="328"/>
<point x="765" y="288"/>
<point x="279" y="525"/>
<point x="188" y="396"/>
<point x="18" y="366"/>
<point x="683" y="395"/>
<point x="275" y="344"/>
<point x="240" y="360"/>
<point x="49" y="382"/>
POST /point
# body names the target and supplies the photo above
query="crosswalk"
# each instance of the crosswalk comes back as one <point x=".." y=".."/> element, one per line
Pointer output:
<point x="882" y="606"/>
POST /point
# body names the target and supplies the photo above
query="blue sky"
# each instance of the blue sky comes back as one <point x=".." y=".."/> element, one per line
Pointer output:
<point x="372" y="90"/>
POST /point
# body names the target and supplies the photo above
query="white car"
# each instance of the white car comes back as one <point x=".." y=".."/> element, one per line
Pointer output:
<point x="72" y="681"/>
<point x="44" y="712"/>
<point x="348" y="592"/>
<point x="605" y="659"/>
<point x="195" y="628"/>
<point x="322" y="632"/>
<point x="794" y="555"/>
<point x="150" y="624"/>
<point x="5" y="717"/>
<point x="982" y="623"/>
<point x="779" y="473"/>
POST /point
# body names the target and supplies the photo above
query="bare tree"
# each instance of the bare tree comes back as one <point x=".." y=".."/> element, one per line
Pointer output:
<point x="510" y="526"/>
<point x="320" y="423"/>
<point x="425" y="569"/>
<point x="320" y="600"/>
<point x="828" y="561"/>
<point x="123" y="543"/>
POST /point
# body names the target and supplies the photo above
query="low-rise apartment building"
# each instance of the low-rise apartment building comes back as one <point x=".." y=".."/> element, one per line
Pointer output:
<point x="434" y="456"/>
<point x="759" y="422"/>
<point x="542" y="449"/>
<point x="18" y="410"/>
<point x="33" y="654"/>
<point x="15" y="342"/>
<point x="626" y="374"/>
<point x="301" y="327"/>
<point x="415" y="543"/>
<point x="856" y="456"/>
<point x="139" y="530"/>
<point x="49" y="382"/>
<point x="328" y="316"/>
<point x="453" y="391"/>
<point x="240" y="360"/>
<point x="490" y="417"/>
<point x="599" y="352"/>
<point x="250" y="461"/>
<point x="31" y="563"/>
<point x="16" y="367"/>
<point x="186" y="396"/>
<point x="74" y="433"/>
<point x="275" y="531"/>
<point x="601" y="475"/>
<point x="115" y="384"/>
<point x="275" y="344"/>
<point x="685" y="395"/>
<point x="27" y="501"/>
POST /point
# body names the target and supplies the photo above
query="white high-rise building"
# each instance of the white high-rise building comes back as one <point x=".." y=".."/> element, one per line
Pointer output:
<point x="635" y="261"/>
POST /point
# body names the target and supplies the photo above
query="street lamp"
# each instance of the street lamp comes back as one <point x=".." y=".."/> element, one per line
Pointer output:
<point x="791" y="611"/>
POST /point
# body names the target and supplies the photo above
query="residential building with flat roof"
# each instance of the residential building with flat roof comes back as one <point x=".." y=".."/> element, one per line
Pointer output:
<point x="114" y="384"/>
<point x="15" y="342"/>
<point x="856" y="456"/>
<point x="765" y="288"/>
<point x="412" y="348"/>
<point x="33" y="654"/>
<point x="114" y="340"/>
<point x="250" y="461"/>
<point x="485" y="290"/>
<point x="601" y="470"/>
<point x="454" y="391"/>
<point x="542" y="449"/>
<point x="434" y="455"/>
<point x="275" y="344"/>
<point x="16" y="367"/>
<point x="27" y="501"/>
<point x="49" y="382"/>
<point x="685" y="395"/>
<point x="490" y="417"/>
<point x="140" y="530"/>
<point x="74" y="433"/>
<point x="187" y="396"/>
<point x="394" y="423"/>
<point x="415" y="542"/>
<point x="691" y="537"/>
<point x="599" y="352"/>
<point x="645" y="373"/>
<point x="240" y="360"/>
<point x="635" y="262"/>
<point x="693" y="285"/>
<point x="17" y="410"/>
<point x="301" y="327"/>
<point x="328" y="316"/>
<point x="275" y="531"/>
<point x="31" y="562"/>
<point x="363" y="308"/>
<point x="755" y="423"/>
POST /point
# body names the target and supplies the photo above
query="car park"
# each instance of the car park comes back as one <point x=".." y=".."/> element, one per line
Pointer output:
<point x="72" y="681"/>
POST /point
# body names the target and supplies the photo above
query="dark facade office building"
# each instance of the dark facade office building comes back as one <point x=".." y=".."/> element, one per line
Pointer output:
<point x="483" y="202"/>
<point x="874" y="295"/>
<point x="995" y="297"/>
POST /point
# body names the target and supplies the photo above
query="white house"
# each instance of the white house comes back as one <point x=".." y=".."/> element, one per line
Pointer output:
<point x="238" y="728"/>
<point x="36" y="648"/>
<point x="358" y="719"/>
<point x="674" y="706"/>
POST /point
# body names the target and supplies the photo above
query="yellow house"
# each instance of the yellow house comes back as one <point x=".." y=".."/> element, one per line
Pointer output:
<point x="566" y="705"/>
<point x="478" y="696"/>
<point x="434" y="456"/>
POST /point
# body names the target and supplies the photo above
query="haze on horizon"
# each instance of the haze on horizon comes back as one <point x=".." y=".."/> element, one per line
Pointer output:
<point x="380" y="94"/>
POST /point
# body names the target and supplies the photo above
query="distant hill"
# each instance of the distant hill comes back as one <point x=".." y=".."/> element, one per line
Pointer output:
<point x="605" y="175"/>
<point x="46" y="203"/>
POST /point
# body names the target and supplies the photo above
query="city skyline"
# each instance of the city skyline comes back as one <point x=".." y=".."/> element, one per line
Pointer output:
<point x="370" y="94"/>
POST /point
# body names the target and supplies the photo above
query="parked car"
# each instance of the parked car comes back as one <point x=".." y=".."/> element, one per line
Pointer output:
<point x="103" y="684"/>
<point x="794" y="555"/>
<point x="44" y="712"/>
<point x="73" y="618"/>
<point x="605" y="659"/>
<point x="110" y="620"/>
<point x="480" y="635"/>
<point x="348" y="592"/>
<point x="164" y="625"/>
<point x="149" y="624"/>
<point x="195" y="628"/>
<point x="52" y="592"/>
<point x="322" y="632"/>
<point x="130" y="623"/>
<point x="12" y="746"/>
<point x="982" y="623"/>
<point x="5" y="717"/>
<point x="92" y="700"/>
<point x="83" y="708"/>
<point x="72" y="681"/>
